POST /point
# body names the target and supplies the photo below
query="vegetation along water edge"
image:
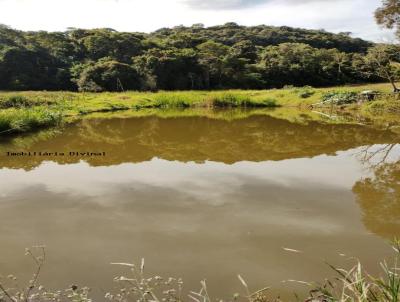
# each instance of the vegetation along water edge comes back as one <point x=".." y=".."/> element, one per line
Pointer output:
<point x="353" y="284"/>
<point x="29" y="110"/>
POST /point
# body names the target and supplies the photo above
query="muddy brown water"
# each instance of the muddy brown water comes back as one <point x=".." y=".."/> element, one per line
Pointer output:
<point x="200" y="198"/>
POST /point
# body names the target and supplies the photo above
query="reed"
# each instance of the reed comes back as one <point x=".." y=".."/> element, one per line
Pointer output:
<point x="352" y="285"/>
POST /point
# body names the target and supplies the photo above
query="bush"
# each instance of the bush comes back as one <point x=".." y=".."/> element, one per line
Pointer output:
<point x="340" y="97"/>
<point x="305" y="92"/>
<point x="302" y="92"/>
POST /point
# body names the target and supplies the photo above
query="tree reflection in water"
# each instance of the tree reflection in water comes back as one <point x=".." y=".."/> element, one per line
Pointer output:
<point x="379" y="195"/>
<point x="256" y="138"/>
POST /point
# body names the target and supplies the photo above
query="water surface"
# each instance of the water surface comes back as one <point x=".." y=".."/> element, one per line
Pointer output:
<point x="200" y="198"/>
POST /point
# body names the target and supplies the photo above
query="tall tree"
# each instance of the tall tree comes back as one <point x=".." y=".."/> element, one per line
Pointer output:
<point x="172" y="69"/>
<point x="108" y="75"/>
<point x="389" y="15"/>
<point x="211" y="57"/>
<point x="195" y="57"/>
<point x="384" y="61"/>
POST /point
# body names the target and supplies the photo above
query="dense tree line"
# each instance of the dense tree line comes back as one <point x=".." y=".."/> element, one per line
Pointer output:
<point x="196" y="57"/>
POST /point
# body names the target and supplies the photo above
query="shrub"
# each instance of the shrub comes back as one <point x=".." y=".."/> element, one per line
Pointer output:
<point x="305" y="92"/>
<point x="340" y="97"/>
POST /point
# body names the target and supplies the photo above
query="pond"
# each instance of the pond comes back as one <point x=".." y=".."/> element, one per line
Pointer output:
<point x="200" y="197"/>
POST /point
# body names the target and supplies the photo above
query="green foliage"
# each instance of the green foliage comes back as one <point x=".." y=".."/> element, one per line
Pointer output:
<point x="340" y="97"/>
<point x="383" y="61"/>
<point x="266" y="103"/>
<point x="179" y="58"/>
<point x="24" y="120"/>
<point x="385" y="104"/>
<point x="300" y="65"/>
<point x="389" y="15"/>
<point x="108" y="75"/>
<point x="164" y="100"/>
<point x="22" y="69"/>
<point x="48" y="107"/>
<point x="229" y="100"/>
<point x="237" y="100"/>
<point x="304" y="92"/>
<point x="16" y="101"/>
<point x="173" y="69"/>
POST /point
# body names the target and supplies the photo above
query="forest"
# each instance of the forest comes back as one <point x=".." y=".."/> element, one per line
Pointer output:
<point x="228" y="56"/>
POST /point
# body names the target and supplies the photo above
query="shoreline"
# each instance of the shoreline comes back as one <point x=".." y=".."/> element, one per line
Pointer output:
<point x="27" y="111"/>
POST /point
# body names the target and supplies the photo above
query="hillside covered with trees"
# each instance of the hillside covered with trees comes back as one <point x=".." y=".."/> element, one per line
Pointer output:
<point x="179" y="58"/>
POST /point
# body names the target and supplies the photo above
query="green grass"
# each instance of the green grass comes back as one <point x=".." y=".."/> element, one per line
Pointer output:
<point x="16" y="120"/>
<point x="389" y="105"/>
<point x="25" y="111"/>
<point x="289" y="96"/>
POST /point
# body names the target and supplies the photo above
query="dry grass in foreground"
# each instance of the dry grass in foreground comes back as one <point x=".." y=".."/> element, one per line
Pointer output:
<point x="350" y="285"/>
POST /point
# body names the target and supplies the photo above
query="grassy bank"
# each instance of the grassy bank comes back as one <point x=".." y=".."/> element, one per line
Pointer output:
<point x="26" y="111"/>
<point x="25" y="120"/>
<point x="354" y="284"/>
